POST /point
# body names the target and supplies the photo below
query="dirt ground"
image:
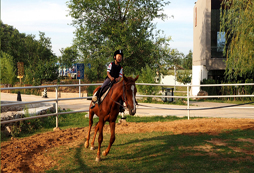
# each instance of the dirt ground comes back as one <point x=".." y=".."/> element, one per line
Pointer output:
<point x="28" y="154"/>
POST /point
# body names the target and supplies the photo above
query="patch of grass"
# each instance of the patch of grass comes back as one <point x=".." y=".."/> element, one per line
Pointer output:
<point x="47" y="124"/>
<point x="79" y="120"/>
<point x="159" y="152"/>
<point x="155" y="118"/>
<point x="225" y="101"/>
<point x="177" y="101"/>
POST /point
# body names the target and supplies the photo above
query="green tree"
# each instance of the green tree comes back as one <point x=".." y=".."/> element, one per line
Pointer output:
<point x="237" y="21"/>
<point x="187" y="61"/>
<point x="35" y="54"/>
<point x="7" y="73"/>
<point x="69" y="56"/>
<point x="147" y="75"/>
<point x="105" y="26"/>
<point x="184" y="77"/>
<point x="176" y="57"/>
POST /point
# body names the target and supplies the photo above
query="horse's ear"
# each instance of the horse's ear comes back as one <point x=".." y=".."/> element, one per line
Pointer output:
<point x="136" y="78"/>
<point x="125" y="78"/>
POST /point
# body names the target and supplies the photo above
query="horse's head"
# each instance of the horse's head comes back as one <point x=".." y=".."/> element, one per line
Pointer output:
<point x="129" y="93"/>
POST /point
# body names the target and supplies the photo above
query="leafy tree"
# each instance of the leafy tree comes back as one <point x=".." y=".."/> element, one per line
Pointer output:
<point x="33" y="53"/>
<point x="184" y="77"/>
<point x="147" y="75"/>
<point x="69" y="56"/>
<point x="105" y="26"/>
<point x="237" y="21"/>
<point x="176" y="57"/>
<point x="7" y="73"/>
<point x="172" y="58"/>
<point x="187" y="61"/>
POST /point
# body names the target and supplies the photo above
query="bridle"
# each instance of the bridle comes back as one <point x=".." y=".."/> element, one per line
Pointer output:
<point x="124" y="97"/>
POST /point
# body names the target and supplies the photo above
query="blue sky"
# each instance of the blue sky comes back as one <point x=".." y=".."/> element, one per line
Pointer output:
<point x="49" y="16"/>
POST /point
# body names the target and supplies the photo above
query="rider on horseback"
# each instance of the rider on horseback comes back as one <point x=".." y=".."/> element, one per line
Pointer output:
<point x="114" y="74"/>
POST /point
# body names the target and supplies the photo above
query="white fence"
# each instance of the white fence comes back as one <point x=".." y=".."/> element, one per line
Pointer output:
<point x="79" y="85"/>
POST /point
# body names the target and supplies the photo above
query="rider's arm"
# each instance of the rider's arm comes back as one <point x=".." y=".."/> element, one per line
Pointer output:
<point x="120" y="75"/>
<point x="109" y="76"/>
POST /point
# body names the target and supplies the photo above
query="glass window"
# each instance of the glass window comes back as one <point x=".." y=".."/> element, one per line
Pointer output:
<point x="217" y="37"/>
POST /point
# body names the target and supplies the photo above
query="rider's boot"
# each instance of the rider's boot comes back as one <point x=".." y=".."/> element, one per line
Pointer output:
<point x="121" y="107"/>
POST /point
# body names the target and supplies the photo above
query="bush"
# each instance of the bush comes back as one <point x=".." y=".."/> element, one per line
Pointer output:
<point x="7" y="74"/>
<point x="147" y="76"/>
<point x="211" y="90"/>
<point x="184" y="77"/>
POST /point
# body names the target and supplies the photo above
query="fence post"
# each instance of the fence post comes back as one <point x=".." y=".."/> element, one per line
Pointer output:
<point x="56" y="107"/>
<point x="188" y="100"/>
<point x="79" y="88"/>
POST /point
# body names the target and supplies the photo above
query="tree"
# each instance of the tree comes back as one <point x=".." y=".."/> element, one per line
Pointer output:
<point x="238" y="24"/>
<point x="187" y="61"/>
<point x="184" y="77"/>
<point x="69" y="56"/>
<point x="105" y="26"/>
<point x="147" y="75"/>
<point x="7" y="73"/>
<point x="36" y="55"/>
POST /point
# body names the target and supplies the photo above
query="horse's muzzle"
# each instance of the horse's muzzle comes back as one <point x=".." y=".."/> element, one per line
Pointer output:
<point x="132" y="111"/>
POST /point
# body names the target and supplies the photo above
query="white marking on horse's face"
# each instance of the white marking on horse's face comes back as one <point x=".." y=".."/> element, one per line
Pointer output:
<point x="133" y="97"/>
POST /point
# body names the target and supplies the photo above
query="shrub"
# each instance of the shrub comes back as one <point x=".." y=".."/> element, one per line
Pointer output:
<point x="147" y="76"/>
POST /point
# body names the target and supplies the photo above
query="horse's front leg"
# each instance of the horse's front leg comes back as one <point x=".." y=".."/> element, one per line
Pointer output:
<point x="100" y="139"/>
<point x="112" y="138"/>
<point x="91" y="114"/>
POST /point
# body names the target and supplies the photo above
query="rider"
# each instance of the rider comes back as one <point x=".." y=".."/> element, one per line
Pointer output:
<point x="114" y="74"/>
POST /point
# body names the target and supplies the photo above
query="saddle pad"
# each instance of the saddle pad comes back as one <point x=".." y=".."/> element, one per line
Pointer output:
<point x="104" y="94"/>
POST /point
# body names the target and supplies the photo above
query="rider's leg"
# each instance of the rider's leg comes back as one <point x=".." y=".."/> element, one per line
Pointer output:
<point x="97" y="96"/>
<point x="121" y="105"/>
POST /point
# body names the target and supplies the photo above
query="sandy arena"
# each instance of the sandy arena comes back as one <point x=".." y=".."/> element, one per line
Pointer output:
<point x="28" y="154"/>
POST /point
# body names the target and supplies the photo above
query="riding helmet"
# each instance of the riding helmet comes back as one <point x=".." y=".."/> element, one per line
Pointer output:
<point x="118" y="52"/>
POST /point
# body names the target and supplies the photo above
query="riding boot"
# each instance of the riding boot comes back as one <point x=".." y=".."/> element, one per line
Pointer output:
<point x="121" y="107"/>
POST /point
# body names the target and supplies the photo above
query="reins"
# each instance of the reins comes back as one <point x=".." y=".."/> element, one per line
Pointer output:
<point x="123" y="96"/>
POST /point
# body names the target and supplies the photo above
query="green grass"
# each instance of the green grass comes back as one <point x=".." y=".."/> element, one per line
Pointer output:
<point x="161" y="152"/>
<point x="79" y="120"/>
<point x="48" y="123"/>
<point x="153" y="152"/>
<point x="225" y="101"/>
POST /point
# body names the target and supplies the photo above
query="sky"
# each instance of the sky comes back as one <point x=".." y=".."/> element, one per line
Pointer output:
<point x="50" y="17"/>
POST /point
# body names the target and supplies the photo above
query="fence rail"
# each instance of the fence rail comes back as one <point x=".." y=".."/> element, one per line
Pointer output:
<point x="97" y="84"/>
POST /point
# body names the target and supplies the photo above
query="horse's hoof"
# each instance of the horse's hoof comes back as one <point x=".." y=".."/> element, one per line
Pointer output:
<point x="86" y="145"/>
<point x="104" y="153"/>
<point x="92" y="148"/>
<point x="97" y="159"/>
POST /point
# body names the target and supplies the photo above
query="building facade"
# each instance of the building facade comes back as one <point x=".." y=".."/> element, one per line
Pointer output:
<point x="208" y="43"/>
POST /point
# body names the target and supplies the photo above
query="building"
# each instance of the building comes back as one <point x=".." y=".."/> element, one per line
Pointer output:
<point x="208" y="42"/>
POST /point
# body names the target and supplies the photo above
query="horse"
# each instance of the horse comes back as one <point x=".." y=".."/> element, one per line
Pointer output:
<point x="108" y="110"/>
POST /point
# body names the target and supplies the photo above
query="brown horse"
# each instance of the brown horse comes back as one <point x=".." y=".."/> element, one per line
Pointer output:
<point x="108" y="110"/>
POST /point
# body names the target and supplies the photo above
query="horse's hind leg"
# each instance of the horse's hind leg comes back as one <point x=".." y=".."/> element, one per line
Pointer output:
<point x="91" y="114"/>
<point x="112" y="138"/>
<point x="95" y="132"/>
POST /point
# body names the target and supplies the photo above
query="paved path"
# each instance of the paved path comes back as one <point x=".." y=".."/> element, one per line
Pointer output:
<point x="146" y="109"/>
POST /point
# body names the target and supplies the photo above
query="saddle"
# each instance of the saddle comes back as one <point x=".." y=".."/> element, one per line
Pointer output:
<point x="104" y="92"/>
<point x="102" y="95"/>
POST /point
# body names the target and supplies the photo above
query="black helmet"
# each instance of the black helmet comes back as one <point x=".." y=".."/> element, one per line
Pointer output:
<point x="118" y="52"/>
